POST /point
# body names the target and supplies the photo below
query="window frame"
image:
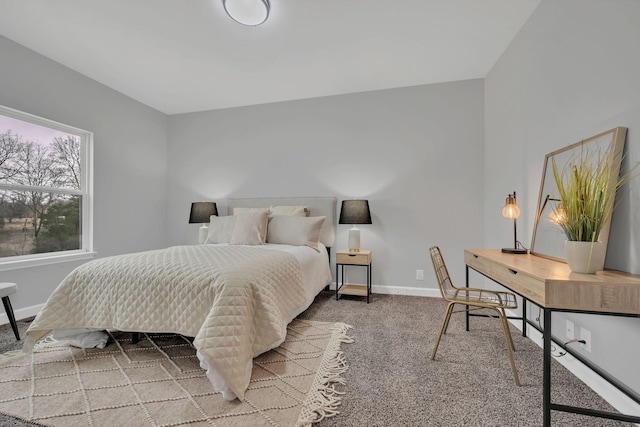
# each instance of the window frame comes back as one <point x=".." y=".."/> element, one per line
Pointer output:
<point x="86" y="192"/>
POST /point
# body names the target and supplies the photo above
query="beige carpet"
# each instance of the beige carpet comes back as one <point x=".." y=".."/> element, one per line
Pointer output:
<point x="158" y="382"/>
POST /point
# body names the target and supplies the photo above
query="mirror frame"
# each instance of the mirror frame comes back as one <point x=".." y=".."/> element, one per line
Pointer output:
<point x="616" y="142"/>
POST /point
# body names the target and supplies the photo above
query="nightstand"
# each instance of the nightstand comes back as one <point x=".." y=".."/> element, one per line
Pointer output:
<point x="362" y="259"/>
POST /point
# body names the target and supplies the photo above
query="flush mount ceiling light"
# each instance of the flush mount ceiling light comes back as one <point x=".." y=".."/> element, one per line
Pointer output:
<point x="247" y="12"/>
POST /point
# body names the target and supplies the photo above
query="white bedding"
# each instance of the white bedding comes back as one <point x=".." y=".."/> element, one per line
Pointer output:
<point x="235" y="300"/>
<point x="316" y="274"/>
<point x="314" y="266"/>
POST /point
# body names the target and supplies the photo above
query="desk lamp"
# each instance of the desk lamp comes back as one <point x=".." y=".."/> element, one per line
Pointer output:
<point x="512" y="211"/>
<point x="557" y="215"/>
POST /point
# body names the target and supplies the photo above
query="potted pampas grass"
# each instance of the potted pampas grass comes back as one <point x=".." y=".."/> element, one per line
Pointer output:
<point x="587" y="188"/>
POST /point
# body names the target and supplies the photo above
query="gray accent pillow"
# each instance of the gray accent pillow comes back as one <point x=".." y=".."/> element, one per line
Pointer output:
<point x="289" y="210"/>
<point x="295" y="230"/>
<point x="250" y="229"/>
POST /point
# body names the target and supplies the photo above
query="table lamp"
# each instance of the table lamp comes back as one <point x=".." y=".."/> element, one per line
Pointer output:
<point x="200" y="214"/>
<point x="512" y="211"/>
<point x="354" y="212"/>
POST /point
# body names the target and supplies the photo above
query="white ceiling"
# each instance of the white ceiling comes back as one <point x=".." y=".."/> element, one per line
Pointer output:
<point x="181" y="56"/>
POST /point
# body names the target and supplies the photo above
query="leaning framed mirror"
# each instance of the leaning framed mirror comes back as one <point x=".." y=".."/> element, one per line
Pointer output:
<point x="548" y="238"/>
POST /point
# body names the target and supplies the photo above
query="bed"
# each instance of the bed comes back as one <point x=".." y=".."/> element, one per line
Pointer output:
<point x="235" y="294"/>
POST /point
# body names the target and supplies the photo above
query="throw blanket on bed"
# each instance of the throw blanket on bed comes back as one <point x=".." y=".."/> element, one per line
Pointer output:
<point x="236" y="301"/>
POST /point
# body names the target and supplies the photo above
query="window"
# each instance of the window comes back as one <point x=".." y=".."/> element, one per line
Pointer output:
<point x="45" y="191"/>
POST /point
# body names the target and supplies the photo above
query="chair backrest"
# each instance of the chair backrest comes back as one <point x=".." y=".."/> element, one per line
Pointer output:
<point x="447" y="289"/>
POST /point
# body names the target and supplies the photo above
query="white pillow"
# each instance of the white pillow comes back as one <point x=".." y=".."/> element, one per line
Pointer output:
<point x="295" y="230"/>
<point x="289" y="210"/>
<point x="244" y="211"/>
<point x="220" y="229"/>
<point x="250" y="229"/>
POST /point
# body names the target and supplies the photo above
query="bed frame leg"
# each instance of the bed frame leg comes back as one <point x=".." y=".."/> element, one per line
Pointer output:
<point x="135" y="337"/>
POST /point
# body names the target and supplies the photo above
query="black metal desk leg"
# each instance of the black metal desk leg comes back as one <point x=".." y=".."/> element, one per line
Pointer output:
<point x="369" y="267"/>
<point x="466" y="314"/>
<point x="524" y="317"/>
<point x="337" y="277"/>
<point x="546" y="369"/>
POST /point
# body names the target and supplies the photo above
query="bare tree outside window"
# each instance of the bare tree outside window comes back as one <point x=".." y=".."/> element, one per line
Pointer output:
<point x="40" y="189"/>
<point x="10" y="149"/>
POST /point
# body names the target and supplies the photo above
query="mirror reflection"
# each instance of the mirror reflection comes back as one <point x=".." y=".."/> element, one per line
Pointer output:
<point x="548" y="238"/>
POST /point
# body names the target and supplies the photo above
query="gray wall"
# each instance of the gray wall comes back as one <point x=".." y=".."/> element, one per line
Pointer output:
<point x="571" y="72"/>
<point x="130" y="150"/>
<point x="414" y="153"/>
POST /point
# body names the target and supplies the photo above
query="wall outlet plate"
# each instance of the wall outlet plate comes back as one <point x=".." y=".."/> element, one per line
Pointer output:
<point x="419" y="274"/>
<point x="585" y="335"/>
<point x="570" y="330"/>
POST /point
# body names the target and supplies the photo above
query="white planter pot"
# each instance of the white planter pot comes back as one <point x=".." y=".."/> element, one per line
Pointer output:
<point x="585" y="257"/>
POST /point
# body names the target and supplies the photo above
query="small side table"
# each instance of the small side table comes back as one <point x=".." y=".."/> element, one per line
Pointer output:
<point x="346" y="257"/>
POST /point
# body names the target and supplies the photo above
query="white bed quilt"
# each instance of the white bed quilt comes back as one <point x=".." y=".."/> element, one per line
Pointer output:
<point x="235" y="300"/>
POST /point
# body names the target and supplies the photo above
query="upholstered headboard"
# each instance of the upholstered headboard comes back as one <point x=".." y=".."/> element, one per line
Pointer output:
<point x="318" y="206"/>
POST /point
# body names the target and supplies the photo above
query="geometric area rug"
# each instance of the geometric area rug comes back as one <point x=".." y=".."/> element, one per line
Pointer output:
<point x="158" y="382"/>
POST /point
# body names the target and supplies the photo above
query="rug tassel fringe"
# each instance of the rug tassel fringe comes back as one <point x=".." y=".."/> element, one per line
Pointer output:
<point x="323" y="399"/>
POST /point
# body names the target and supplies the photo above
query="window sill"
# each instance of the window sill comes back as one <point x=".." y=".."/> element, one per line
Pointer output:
<point x="45" y="260"/>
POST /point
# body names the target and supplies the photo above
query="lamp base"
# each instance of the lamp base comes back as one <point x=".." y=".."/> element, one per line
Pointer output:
<point x="515" y="251"/>
<point x="354" y="239"/>
<point x="203" y="232"/>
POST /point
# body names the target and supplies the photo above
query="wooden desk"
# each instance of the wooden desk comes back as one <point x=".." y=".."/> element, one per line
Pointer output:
<point x="552" y="286"/>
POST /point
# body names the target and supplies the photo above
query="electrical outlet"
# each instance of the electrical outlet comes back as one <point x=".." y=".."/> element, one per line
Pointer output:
<point x="419" y="274"/>
<point x="585" y="335"/>
<point x="570" y="331"/>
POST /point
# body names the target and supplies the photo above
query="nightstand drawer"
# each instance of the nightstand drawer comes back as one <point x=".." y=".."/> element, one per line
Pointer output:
<point x="357" y="258"/>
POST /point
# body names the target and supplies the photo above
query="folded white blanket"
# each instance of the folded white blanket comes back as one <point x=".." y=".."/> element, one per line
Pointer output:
<point x="83" y="337"/>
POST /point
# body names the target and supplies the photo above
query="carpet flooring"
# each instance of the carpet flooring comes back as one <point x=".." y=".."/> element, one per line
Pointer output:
<point x="391" y="380"/>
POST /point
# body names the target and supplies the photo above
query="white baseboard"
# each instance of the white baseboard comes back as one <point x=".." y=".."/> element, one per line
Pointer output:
<point x="595" y="382"/>
<point x="21" y="313"/>
<point x="406" y="290"/>
<point x="401" y="290"/>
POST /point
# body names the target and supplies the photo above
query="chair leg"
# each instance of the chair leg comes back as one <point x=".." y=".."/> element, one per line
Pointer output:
<point x="509" y="343"/>
<point x="445" y="324"/>
<point x="504" y="316"/>
<point x="9" y="310"/>
<point x="448" y="317"/>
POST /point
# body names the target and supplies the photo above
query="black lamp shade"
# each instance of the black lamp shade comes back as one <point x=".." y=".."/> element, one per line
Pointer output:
<point x="201" y="211"/>
<point x="355" y="212"/>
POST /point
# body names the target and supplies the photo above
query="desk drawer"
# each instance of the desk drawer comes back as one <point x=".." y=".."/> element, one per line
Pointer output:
<point x="357" y="258"/>
<point x="527" y="286"/>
